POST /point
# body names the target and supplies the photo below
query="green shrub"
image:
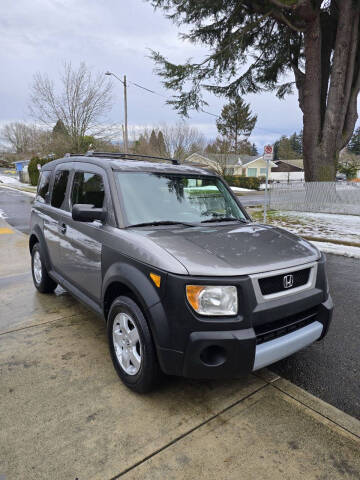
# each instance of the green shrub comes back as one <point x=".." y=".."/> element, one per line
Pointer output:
<point x="33" y="170"/>
<point x="252" y="183"/>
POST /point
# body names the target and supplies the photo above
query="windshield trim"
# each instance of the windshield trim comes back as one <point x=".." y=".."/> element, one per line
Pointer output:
<point x="207" y="176"/>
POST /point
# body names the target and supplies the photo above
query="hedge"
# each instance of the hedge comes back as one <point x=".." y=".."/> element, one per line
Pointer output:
<point x="252" y="183"/>
<point x="33" y="169"/>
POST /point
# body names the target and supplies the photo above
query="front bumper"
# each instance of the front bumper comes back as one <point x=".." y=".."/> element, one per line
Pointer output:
<point x="264" y="331"/>
<point x="231" y="354"/>
<point x="279" y="348"/>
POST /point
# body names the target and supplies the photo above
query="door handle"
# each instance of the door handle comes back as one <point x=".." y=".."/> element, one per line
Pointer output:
<point x="62" y="228"/>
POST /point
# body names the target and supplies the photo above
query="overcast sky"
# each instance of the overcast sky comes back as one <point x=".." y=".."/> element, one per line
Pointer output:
<point x="116" y="35"/>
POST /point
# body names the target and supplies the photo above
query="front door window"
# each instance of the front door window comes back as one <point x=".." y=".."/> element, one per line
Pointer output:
<point x="88" y="188"/>
<point x="59" y="189"/>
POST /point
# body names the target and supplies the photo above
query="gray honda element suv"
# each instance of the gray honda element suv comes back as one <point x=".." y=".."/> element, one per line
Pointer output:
<point x="187" y="283"/>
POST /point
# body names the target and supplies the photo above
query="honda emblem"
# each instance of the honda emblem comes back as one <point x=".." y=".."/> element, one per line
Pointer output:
<point x="288" y="281"/>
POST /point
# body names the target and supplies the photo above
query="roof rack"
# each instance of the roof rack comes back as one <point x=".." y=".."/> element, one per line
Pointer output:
<point x="129" y="156"/>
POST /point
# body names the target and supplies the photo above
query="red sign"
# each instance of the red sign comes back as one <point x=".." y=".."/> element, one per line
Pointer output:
<point x="268" y="149"/>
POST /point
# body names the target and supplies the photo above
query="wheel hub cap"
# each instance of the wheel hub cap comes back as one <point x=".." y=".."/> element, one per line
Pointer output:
<point x="37" y="267"/>
<point x="127" y="343"/>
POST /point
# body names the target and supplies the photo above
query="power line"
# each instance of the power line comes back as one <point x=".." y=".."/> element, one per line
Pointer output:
<point x="167" y="98"/>
<point x="201" y="109"/>
<point x="148" y="90"/>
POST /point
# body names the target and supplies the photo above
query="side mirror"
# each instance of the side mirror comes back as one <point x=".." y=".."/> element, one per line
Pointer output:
<point x="87" y="213"/>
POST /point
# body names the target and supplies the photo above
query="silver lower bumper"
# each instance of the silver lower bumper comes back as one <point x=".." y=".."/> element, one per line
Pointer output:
<point x="274" y="350"/>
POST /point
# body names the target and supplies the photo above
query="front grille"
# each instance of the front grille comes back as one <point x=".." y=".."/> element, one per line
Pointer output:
<point x="272" y="330"/>
<point x="275" y="284"/>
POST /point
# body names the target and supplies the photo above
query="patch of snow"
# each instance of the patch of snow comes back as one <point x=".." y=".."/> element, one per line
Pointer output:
<point x="9" y="180"/>
<point x="346" y="251"/>
<point x="29" y="194"/>
<point x="206" y="187"/>
<point x="239" y="189"/>
<point x="326" y="226"/>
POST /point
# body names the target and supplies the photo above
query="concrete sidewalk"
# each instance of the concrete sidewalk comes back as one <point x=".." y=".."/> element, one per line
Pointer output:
<point x="65" y="414"/>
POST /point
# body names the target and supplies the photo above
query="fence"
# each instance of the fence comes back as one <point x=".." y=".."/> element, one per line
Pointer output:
<point x="287" y="176"/>
<point x="327" y="197"/>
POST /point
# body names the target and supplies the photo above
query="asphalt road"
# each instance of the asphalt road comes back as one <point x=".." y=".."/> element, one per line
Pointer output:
<point x="329" y="369"/>
<point x="253" y="199"/>
<point x="16" y="207"/>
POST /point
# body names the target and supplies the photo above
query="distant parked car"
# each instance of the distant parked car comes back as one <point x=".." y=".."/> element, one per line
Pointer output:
<point x="340" y="177"/>
<point x="187" y="283"/>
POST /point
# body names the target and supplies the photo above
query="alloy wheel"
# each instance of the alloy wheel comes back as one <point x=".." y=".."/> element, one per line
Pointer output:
<point x="37" y="267"/>
<point x="127" y="343"/>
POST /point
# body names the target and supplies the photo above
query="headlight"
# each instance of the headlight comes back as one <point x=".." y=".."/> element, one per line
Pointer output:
<point x="212" y="300"/>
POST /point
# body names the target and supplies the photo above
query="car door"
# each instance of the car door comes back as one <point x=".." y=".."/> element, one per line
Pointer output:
<point x="81" y="247"/>
<point x="53" y="215"/>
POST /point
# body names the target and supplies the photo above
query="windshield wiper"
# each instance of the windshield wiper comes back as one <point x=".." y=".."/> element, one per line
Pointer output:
<point x="160" y="222"/>
<point x="224" y="219"/>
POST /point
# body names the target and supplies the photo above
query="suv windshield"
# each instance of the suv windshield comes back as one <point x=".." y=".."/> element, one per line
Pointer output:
<point x="156" y="197"/>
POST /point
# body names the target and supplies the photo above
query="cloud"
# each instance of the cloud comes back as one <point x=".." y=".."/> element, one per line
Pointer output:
<point x="114" y="35"/>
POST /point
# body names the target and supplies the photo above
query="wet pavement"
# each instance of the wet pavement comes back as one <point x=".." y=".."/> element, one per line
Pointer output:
<point x="329" y="369"/>
<point x="16" y="207"/>
<point x="65" y="414"/>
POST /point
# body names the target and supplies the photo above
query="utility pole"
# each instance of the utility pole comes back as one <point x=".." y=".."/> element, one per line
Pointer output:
<point x="268" y="154"/>
<point x="266" y="189"/>
<point x="126" y="124"/>
<point x="125" y="131"/>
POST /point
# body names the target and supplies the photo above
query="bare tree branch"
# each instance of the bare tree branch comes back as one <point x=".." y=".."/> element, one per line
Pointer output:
<point x="81" y="104"/>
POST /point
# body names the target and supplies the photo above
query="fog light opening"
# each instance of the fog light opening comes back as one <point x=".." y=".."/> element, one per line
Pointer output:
<point x="213" y="355"/>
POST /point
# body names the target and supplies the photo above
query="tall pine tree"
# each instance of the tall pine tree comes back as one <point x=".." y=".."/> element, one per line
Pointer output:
<point x="153" y="142"/>
<point x="236" y="121"/>
<point x="161" y="144"/>
<point x="317" y="41"/>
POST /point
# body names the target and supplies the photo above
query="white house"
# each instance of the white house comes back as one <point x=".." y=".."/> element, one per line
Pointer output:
<point x="233" y="164"/>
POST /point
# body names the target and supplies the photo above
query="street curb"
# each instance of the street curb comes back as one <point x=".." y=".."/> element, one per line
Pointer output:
<point x="331" y="240"/>
<point x="15" y="231"/>
<point x="327" y="412"/>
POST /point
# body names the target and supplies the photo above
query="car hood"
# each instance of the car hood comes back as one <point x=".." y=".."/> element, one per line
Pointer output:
<point x="224" y="250"/>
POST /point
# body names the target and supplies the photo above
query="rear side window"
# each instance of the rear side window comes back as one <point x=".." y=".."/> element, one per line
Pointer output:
<point x="43" y="185"/>
<point x="59" y="188"/>
<point x="88" y="188"/>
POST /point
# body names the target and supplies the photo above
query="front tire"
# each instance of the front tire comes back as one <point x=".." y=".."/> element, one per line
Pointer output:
<point x="41" y="278"/>
<point x="131" y="347"/>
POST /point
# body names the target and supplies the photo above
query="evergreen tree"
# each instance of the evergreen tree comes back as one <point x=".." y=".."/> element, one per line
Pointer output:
<point x="220" y="145"/>
<point x="254" y="150"/>
<point x="235" y="121"/>
<point x="245" y="147"/>
<point x="161" y="143"/>
<point x="276" y="150"/>
<point x="60" y="129"/>
<point x="317" y="41"/>
<point x="354" y="144"/>
<point x="285" y="149"/>
<point x="288" y="148"/>
<point x="153" y="142"/>
<point x="293" y="142"/>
